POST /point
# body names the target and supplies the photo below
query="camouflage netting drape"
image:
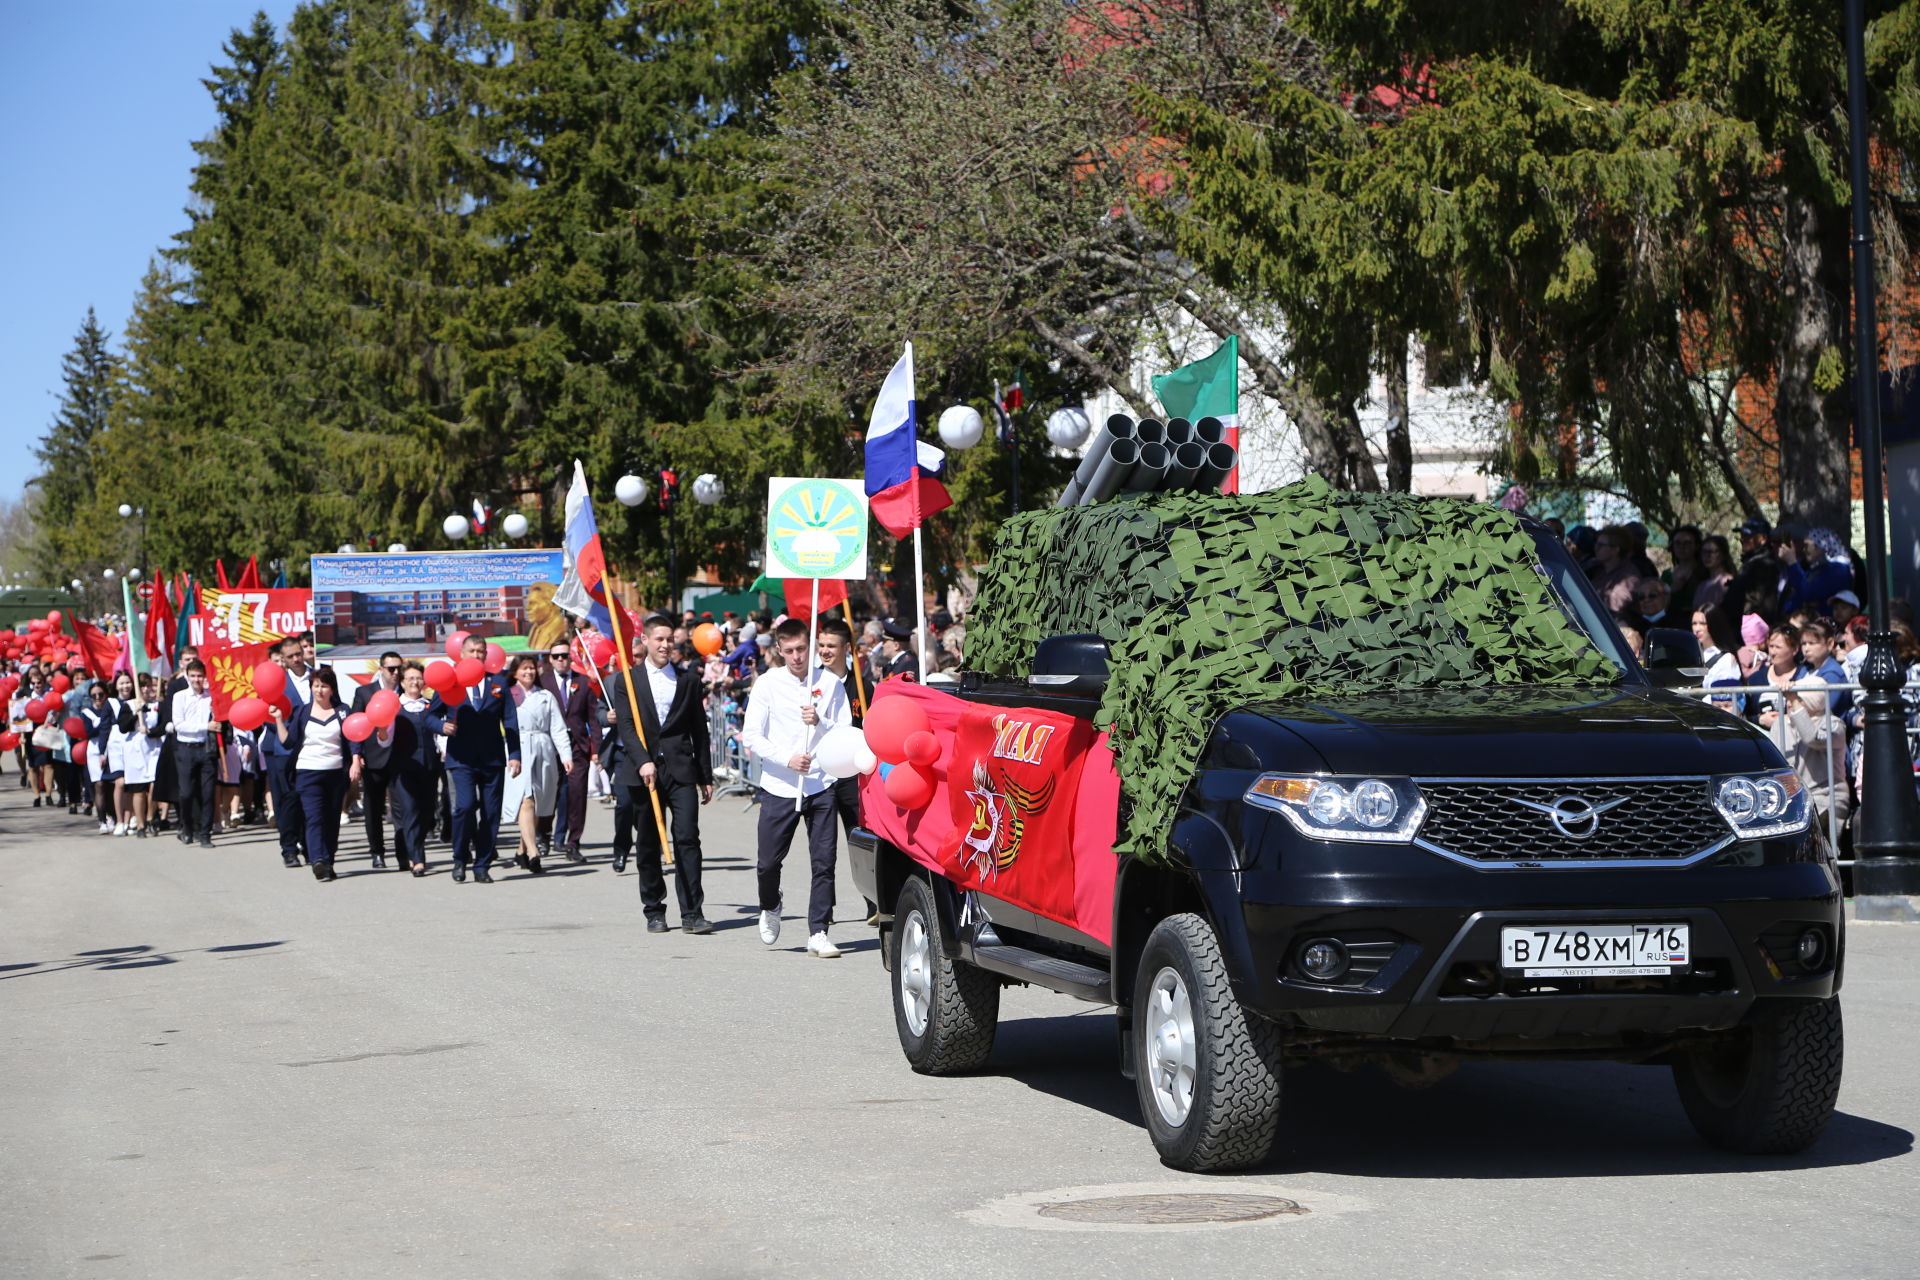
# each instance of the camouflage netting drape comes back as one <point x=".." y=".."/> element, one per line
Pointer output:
<point x="1213" y="602"/>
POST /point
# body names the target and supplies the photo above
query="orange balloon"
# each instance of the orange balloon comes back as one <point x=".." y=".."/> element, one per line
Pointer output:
<point x="708" y="640"/>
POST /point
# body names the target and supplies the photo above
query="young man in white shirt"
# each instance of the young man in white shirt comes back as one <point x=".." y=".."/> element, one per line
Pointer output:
<point x="792" y="706"/>
<point x="195" y="747"/>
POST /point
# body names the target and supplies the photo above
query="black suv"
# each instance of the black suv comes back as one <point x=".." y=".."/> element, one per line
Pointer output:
<point x="1614" y="872"/>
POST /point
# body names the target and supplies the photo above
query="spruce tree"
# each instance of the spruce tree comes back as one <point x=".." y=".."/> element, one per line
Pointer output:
<point x="68" y="541"/>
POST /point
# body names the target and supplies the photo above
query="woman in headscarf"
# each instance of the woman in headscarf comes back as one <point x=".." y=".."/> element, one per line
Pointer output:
<point x="1823" y="571"/>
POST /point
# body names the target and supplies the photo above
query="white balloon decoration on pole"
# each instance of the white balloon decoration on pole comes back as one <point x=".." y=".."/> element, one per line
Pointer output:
<point x="133" y="575"/>
<point x="631" y="490"/>
<point x="707" y="489"/>
<point x="514" y="526"/>
<point x="455" y="527"/>
<point x="961" y="427"/>
<point x="1068" y="428"/>
<point x="393" y="549"/>
<point x="347" y="548"/>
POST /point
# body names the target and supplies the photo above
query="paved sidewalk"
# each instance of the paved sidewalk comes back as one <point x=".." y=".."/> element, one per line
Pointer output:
<point x="216" y="1067"/>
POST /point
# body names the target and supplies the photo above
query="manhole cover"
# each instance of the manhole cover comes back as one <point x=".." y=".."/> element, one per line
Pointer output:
<point x="1174" y="1209"/>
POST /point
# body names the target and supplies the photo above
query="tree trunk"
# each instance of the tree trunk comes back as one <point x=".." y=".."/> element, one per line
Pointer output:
<point x="1399" y="437"/>
<point x="1815" y="476"/>
<point x="1355" y="457"/>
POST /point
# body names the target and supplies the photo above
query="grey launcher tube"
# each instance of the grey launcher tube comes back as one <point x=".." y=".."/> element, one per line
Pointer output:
<point x="1151" y="470"/>
<point x="1187" y="461"/>
<point x="1221" y="459"/>
<point x="1122" y="455"/>
<point x="1118" y="427"/>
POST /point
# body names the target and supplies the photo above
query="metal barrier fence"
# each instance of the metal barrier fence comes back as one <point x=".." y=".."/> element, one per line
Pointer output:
<point x="1829" y="729"/>
<point x="735" y="771"/>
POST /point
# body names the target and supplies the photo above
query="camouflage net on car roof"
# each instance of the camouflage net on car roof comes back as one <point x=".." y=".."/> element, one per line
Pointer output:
<point x="1211" y="602"/>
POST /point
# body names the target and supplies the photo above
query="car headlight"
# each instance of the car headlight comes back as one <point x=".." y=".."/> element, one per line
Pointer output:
<point x="1380" y="810"/>
<point x="1757" y="805"/>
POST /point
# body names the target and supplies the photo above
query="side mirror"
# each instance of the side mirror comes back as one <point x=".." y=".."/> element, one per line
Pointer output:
<point x="1673" y="658"/>
<point x="1071" y="664"/>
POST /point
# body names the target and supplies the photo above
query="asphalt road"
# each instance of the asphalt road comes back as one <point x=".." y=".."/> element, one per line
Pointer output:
<point x="215" y="1067"/>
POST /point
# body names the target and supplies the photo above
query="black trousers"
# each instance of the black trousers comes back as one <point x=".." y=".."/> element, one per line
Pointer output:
<point x="680" y="801"/>
<point x="374" y="784"/>
<point x="778" y="818"/>
<point x="194" y="765"/>
<point x="288" y="817"/>
<point x="321" y="791"/>
<point x="415" y="806"/>
<point x="569" y="820"/>
<point x="846" y="800"/>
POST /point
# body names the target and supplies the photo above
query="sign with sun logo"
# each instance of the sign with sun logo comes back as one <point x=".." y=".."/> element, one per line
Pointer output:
<point x="816" y="528"/>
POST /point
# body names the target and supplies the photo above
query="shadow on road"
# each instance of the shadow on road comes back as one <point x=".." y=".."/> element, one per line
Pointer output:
<point x="1490" y="1120"/>
<point x="112" y="959"/>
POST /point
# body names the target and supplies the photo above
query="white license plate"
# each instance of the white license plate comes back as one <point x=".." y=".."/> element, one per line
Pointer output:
<point x="1594" y="950"/>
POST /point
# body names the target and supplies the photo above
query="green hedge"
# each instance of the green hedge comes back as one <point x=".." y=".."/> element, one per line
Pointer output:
<point x="1211" y="602"/>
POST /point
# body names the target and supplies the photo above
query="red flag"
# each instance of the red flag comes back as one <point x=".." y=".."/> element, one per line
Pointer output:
<point x="230" y="672"/>
<point x="799" y="594"/>
<point x="97" y="650"/>
<point x="250" y="576"/>
<point x="220" y="572"/>
<point x="160" y="624"/>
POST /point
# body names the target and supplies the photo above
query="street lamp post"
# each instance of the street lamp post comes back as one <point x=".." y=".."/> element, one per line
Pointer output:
<point x="1886" y="872"/>
<point x="631" y="490"/>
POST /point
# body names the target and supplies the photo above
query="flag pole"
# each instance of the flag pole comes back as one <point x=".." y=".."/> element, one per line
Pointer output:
<point x="920" y="601"/>
<point x="633" y="705"/>
<point x="813" y="661"/>
<point x="853" y="657"/>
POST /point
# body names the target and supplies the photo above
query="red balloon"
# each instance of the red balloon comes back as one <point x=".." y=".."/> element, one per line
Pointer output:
<point x="284" y="702"/>
<point x="75" y="727"/>
<point x="708" y="640"/>
<point x="890" y="723"/>
<point x="382" y="707"/>
<point x="269" y="679"/>
<point x="60" y="683"/>
<point x="247" y="714"/>
<point x="53" y="619"/>
<point x="357" y="728"/>
<point x="601" y="651"/>
<point x="38" y="624"/>
<point x="79" y="752"/>
<point x="440" y="676"/>
<point x="907" y="787"/>
<point x="9" y="740"/>
<point x="469" y="672"/>
<point x="454" y="641"/>
<point x="922" y="748"/>
<point x="496" y="658"/>
<point x="36" y="711"/>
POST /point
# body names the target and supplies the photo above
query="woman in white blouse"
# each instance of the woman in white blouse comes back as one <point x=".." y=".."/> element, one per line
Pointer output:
<point x="546" y="753"/>
<point x="313" y="737"/>
<point x="138" y="750"/>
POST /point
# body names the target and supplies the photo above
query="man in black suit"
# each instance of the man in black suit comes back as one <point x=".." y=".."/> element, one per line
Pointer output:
<point x="483" y="746"/>
<point x="580" y="709"/>
<point x="377" y="763"/>
<point x="678" y="765"/>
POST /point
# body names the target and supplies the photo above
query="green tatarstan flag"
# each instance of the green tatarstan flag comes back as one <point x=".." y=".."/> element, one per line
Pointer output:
<point x="1208" y="388"/>
<point x="136" y="638"/>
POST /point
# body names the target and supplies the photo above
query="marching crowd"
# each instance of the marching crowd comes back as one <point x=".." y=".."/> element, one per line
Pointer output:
<point x="523" y="750"/>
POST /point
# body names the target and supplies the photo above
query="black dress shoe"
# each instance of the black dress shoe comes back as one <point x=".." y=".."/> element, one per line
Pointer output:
<point x="619" y="863"/>
<point x="533" y="865"/>
<point x="695" y="924"/>
<point x="574" y="854"/>
<point x="521" y="861"/>
<point x="379" y="862"/>
<point x="656" y="925"/>
<point x="289" y="860"/>
<point x="459" y="873"/>
<point x="543" y="845"/>
<point x="419" y="869"/>
<point x="322" y="871"/>
<point x="205" y="842"/>
<point x="481" y="877"/>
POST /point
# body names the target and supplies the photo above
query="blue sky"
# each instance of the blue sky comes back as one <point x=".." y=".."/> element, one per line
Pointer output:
<point x="103" y="102"/>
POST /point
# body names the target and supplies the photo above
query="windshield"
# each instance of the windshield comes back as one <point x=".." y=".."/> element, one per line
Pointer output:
<point x="1579" y="603"/>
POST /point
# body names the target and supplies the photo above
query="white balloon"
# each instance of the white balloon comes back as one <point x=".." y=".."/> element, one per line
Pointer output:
<point x="126" y="508"/>
<point x="107" y="574"/>
<point x="1068" y="428"/>
<point x="393" y="548"/>
<point x="631" y="490"/>
<point x="864" y="759"/>
<point x="134" y="574"/>
<point x="961" y="427"/>
<point x="708" y="489"/>
<point x="838" y="752"/>
<point x="455" y="527"/>
<point x="514" y="526"/>
<point x="347" y="548"/>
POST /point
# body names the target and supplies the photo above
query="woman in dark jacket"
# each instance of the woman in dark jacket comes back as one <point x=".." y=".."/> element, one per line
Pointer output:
<point x="313" y="737"/>
<point x="416" y="771"/>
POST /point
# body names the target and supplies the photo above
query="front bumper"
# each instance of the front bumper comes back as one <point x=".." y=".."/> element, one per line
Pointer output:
<point x="1427" y="946"/>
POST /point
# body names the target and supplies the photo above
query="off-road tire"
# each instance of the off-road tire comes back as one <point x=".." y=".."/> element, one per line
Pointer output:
<point x="963" y="1002"/>
<point x="1768" y="1088"/>
<point x="1235" y="1110"/>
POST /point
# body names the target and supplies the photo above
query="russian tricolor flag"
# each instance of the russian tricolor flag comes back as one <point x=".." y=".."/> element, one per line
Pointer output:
<point x="582" y="590"/>
<point x="902" y="470"/>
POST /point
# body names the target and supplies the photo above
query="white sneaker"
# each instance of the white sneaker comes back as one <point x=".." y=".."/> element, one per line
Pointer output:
<point x="769" y="927"/>
<point x="119" y="828"/>
<point x="820" y="945"/>
<point x="106" y="828"/>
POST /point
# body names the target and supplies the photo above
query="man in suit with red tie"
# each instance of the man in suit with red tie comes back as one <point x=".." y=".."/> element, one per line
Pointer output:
<point x="580" y="709"/>
<point x="678" y="765"/>
<point x="483" y="746"/>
